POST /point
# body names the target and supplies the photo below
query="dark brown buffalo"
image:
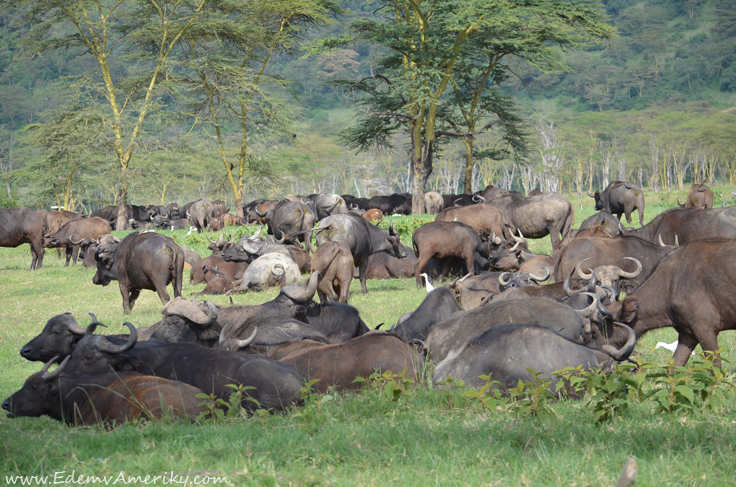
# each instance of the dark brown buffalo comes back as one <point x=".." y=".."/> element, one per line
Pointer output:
<point x="537" y="216"/>
<point x="24" y="225"/>
<point x="219" y="208"/>
<point x="108" y="399"/>
<point x="302" y="258"/>
<point x="352" y="202"/>
<point x="58" y="337"/>
<point x="217" y="282"/>
<point x="273" y="384"/>
<point x="140" y="261"/>
<point x="387" y="203"/>
<point x="362" y="238"/>
<point x="233" y="270"/>
<point x="72" y="233"/>
<point x="619" y="198"/>
<point x="372" y="215"/>
<point x="448" y="240"/>
<point x="691" y="290"/>
<point x="605" y="221"/>
<point x="293" y="220"/>
<point x="215" y="224"/>
<point x="55" y="219"/>
<point x="438" y="306"/>
<point x="450" y="200"/>
<point x="476" y="290"/>
<point x="385" y="266"/>
<point x="335" y="264"/>
<point x="485" y="218"/>
<point x="611" y="251"/>
<point x="683" y="225"/>
<point x="338" y="365"/>
<point x="228" y="219"/>
<point x="509" y="352"/>
<point x="185" y="321"/>
<point x="257" y="211"/>
<point x="700" y="196"/>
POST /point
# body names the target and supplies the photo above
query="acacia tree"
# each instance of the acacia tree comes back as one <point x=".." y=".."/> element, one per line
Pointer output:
<point x="144" y="31"/>
<point x="230" y="87"/>
<point x="421" y="43"/>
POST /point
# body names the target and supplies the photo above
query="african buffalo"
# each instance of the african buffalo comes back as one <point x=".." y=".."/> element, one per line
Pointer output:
<point x="217" y="282"/>
<point x="508" y="352"/>
<point x="372" y="215"/>
<point x="200" y="214"/>
<point x="691" y="290"/>
<point x="290" y="218"/>
<point x="387" y="203"/>
<point x="337" y="365"/>
<point x="438" y="306"/>
<point x="433" y="202"/>
<point x="700" y="196"/>
<point x="385" y="266"/>
<point x="537" y="216"/>
<point x="447" y="240"/>
<point x="460" y="328"/>
<point x="184" y="321"/>
<point x="619" y="198"/>
<point x="108" y="399"/>
<point x="335" y="264"/>
<point x="362" y="238"/>
<point x="140" y="261"/>
<point x="485" y="218"/>
<point x="329" y="204"/>
<point x="72" y="233"/>
<point x="24" y="225"/>
<point x="610" y="251"/>
<point x="683" y="225"/>
<point x="59" y="337"/>
<point x="273" y="384"/>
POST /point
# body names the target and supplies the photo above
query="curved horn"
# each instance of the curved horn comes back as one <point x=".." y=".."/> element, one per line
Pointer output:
<point x="455" y="202"/>
<point x="258" y="212"/>
<point x="613" y="294"/>
<point x="50" y="363"/>
<point x="588" y="310"/>
<point x="538" y="279"/>
<point x="592" y="282"/>
<point x="677" y="242"/>
<point x="580" y="272"/>
<point x="71" y="239"/>
<point x="590" y="193"/>
<point x="211" y="241"/>
<point x="230" y="240"/>
<point x="496" y="240"/>
<point x="566" y="284"/>
<point x="278" y="266"/>
<point x="93" y="326"/>
<point x="462" y="279"/>
<point x="75" y="328"/>
<point x="258" y="232"/>
<point x="391" y="226"/>
<point x="109" y="347"/>
<point x="477" y="197"/>
<point x="680" y="204"/>
<point x="631" y="275"/>
<point x="303" y="295"/>
<point x="282" y="239"/>
<point x="49" y="376"/>
<point x="661" y="243"/>
<point x="628" y="347"/>
<point x="500" y="278"/>
<point x="724" y="204"/>
<point x="244" y="343"/>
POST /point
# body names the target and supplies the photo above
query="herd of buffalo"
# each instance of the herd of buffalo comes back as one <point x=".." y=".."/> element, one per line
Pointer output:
<point x="495" y="317"/>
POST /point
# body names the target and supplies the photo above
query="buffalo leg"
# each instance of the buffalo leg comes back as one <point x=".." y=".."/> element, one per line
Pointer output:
<point x="554" y="236"/>
<point x="627" y="212"/>
<point x="125" y="293"/>
<point x="133" y="296"/>
<point x="75" y="254"/>
<point x="363" y="271"/>
<point x="419" y="268"/>
<point x="68" y="252"/>
<point x="37" y="252"/>
<point x="685" y="346"/>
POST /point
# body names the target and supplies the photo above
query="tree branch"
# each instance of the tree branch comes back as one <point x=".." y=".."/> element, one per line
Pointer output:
<point x="469" y="134"/>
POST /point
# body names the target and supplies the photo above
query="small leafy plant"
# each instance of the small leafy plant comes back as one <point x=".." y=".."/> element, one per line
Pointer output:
<point x="395" y="386"/>
<point x="217" y="410"/>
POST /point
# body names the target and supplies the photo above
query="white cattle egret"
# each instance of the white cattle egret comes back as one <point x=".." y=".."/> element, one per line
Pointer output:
<point x="429" y="285"/>
<point x="669" y="346"/>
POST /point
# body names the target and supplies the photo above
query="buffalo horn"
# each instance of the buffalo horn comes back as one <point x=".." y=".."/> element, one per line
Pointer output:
<point x="108" y="347"/>
<point x="93" y="326"/>
<point x="590" y="193"/>
<point x="725" y="203"/>
<point x="592" y="282"/>
<point x="538" y="279"/>
<point x="478" y="197"/>
<point x="258" y="212"/>
<point x="458" y="281"/>
<point x="230" y="239"/>
<point x="588" y="310"/>
<point x="680" y="204"/>
<point x="391" y="226"/>
<point x="628" y="347"/>
<point x="455" y="202"/>
<point x="282" y="239"/>
<point x="677" y="242"/>
<point x="631" y="275"/>
<point x="661" y="243"/>
<point x="501" y="278"/>
<point x="74" y="327"/>
<point x="278" y="266"/>
<point x="518" y="239"/>
<point x="496" y="240"/>
<point x="244" y="343"/>
<point x="49" y="376"/>
<point x="566" y="284"/>
<point x="258" y="232"/>
<point x="210" y="240"/>
<point x="49" y="363"/>
<point x="71" y="239"/>
<point x="612" y="292"/>
<point x="303" y="295"/>
<point x="579" y="270"/>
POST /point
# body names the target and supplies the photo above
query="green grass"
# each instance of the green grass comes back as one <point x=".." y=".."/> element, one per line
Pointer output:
<point x="442" y="438"/>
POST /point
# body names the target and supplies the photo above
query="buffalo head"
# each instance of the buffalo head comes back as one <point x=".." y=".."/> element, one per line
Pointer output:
<point x="59" y="337"/>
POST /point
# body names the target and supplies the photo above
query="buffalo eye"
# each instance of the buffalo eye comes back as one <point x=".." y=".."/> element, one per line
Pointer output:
<point x="513" y="284"/>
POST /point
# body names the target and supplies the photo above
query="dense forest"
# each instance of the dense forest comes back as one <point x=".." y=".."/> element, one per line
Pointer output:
<point x="652" y="101"/>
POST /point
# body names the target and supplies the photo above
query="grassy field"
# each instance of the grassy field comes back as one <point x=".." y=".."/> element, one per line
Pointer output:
<point x="427" y="437"/>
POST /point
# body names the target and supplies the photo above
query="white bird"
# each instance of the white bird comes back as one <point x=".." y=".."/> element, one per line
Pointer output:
<point x="669" y="346"/>
<point x="429" y="285"/>
<point x="190" y="230"/>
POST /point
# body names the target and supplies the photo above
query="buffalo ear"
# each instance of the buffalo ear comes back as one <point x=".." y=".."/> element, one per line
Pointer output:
<point x="629" y="309"/>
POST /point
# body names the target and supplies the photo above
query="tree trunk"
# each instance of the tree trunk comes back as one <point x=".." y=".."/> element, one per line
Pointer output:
<point x="123" y="203"/>
<point x="469" y="163"/>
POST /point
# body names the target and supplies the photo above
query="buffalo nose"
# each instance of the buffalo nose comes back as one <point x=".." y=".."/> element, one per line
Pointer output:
<point x="24" y="352"/>
<point x="6" y="405"/>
